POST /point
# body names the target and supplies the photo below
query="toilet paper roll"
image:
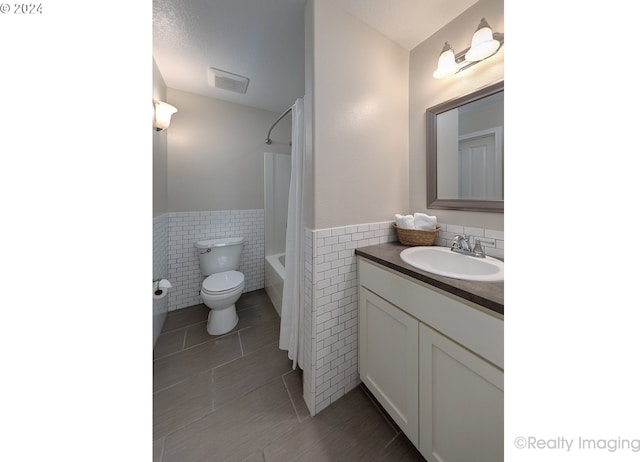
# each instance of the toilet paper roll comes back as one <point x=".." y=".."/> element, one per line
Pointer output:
<point x="159" y="293"/>
<point x="160" y="288"/>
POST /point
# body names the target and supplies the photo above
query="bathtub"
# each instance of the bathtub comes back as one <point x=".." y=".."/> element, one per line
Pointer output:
<point x="274" y="279"/>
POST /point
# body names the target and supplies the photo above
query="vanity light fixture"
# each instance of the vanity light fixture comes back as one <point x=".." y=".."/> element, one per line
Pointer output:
<point x="163" y="113"/>
<point x="485" y="43"/>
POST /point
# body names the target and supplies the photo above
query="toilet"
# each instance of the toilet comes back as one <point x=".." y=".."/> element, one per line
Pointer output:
<point x="223" y="283"/>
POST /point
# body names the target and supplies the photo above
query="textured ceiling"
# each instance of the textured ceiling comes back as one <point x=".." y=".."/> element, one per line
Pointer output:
<point x="264" y="41"/>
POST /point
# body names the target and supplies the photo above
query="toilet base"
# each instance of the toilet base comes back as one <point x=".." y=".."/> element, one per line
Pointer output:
<point x="222" y="321"/>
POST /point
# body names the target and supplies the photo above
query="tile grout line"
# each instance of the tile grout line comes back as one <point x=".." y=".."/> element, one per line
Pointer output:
<point x="164" y="438"/>
<point x="240" y="341"/>
<point x="186" y="424"/>
<point x="184" y="326"/>
<point x="227" y="362"/>
<point x="213" y="339"/>
<point x="295" y="409"/>
<point x="395" y="437"/>
<point x="213" y="407"/>
<point x="171" y="386"/>
<point x="228" y="403"/>
<point x="242" y="355"/>
<point x="203" y="371"/>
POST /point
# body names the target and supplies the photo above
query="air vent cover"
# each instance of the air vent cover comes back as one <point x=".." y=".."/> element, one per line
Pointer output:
<point x="227" y="81"/>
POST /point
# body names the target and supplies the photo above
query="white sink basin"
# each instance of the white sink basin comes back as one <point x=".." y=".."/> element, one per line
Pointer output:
<point x="442" y="261"/>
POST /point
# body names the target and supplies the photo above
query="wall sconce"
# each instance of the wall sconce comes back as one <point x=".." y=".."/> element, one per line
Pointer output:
<point x="485" y="43"/>
<point x="163" y="113"/>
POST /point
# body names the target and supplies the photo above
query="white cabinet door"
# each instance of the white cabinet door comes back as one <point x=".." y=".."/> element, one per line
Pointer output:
<point x="461" y="403"/>
<point x="388" y="359"/>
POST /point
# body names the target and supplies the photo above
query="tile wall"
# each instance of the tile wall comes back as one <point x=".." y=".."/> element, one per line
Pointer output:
<point x="492" y="240"/>
<point x="332" y="294"/>
<point x="331" y="302"/>
<point x="186" y="228"/>
<point x="160" y="270"/>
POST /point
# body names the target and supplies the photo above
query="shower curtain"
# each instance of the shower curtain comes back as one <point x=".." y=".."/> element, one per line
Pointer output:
<point x="292" y="316"/>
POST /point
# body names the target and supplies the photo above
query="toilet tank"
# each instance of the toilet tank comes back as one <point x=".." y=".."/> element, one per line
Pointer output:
<point x="218" y="255"/>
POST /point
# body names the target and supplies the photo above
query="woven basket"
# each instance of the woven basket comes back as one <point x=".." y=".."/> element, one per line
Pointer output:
<point x="416" y="236"/>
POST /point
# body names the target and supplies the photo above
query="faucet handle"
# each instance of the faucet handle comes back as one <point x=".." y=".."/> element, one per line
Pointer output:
<point x="477" y="248"/>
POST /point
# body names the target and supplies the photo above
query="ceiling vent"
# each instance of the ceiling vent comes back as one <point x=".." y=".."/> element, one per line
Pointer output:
<point x="227" y="81"/>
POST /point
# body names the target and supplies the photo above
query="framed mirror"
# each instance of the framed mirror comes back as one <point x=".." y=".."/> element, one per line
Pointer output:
<point x="465" y="152"/>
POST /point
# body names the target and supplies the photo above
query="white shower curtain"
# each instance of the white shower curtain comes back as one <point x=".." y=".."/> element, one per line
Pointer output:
<point x="292" y="316"/>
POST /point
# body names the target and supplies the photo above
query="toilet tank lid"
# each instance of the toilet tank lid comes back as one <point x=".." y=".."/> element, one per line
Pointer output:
<point x="222" y="242"/>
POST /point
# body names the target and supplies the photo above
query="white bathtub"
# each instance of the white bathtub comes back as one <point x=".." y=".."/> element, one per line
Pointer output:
<point x="274" y="279"/>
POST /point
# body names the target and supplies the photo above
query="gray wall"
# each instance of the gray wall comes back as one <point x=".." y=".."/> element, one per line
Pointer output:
<point x="216" y="153"/>
<point x="360" y="120"/>
<point x="160" y="194"/>
<point x="426" y="91"/>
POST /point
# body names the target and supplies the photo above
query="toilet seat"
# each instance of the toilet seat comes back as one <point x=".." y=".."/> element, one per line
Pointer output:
<point x="221" y="283"/>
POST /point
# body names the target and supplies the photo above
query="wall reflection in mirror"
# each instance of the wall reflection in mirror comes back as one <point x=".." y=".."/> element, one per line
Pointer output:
<point x="466" y="152"/>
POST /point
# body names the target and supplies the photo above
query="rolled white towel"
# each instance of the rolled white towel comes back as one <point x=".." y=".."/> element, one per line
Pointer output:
<point x="405" y="221"/>
<point x="424" y="221"/>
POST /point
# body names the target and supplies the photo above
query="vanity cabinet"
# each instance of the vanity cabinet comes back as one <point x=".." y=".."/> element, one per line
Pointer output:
<point x="434" y="361"/>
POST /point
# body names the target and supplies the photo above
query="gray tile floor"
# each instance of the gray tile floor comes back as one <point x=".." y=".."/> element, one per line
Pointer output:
<point x="234" y="397"/>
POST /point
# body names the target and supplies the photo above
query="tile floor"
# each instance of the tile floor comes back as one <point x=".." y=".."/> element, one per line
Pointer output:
<point x="234" y="397"/>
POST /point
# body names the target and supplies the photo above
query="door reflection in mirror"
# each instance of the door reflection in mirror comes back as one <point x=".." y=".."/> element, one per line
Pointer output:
<point x="465" y="151"/>
<point x="470" y="150"/>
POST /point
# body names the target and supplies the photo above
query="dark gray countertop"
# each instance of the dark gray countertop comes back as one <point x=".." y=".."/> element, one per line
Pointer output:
<point x="487" y="294"/>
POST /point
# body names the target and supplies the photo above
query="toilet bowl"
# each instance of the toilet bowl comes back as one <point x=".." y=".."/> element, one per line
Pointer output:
<point x="223" y="284"/>
<point x="220" y="292"/>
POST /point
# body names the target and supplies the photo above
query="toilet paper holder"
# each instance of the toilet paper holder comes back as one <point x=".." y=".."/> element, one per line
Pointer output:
<point x="160" y="286"/>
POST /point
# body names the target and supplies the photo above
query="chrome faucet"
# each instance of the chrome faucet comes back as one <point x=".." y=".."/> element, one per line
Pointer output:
<point x="460" y="242"/>
<point x="462" y="246"/>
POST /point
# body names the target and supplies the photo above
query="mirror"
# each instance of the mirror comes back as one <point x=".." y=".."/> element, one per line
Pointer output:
<point x="465" y="152"/>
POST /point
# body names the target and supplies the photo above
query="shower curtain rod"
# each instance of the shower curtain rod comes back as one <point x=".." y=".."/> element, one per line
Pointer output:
<point x="274" y="124"/>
